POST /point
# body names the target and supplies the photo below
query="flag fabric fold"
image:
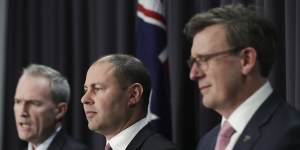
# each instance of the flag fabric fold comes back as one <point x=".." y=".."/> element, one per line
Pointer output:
<point x="151" y="49"/>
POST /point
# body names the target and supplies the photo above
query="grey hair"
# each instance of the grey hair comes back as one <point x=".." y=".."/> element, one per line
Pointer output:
<point x="59" y="85"/>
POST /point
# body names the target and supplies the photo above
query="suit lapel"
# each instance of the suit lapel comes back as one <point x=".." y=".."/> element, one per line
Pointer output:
<point x="212" y="143"/>
<point x="58" y="141"/>
<point x="209" y="140"/>
<point x="140" y="138"/>
<point x="252" y="131"/>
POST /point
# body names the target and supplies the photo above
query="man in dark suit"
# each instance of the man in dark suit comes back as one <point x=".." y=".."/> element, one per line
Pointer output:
<point x="232" y="53"/>
<point x="40" y="104"/>
<point x="117" y="89"/>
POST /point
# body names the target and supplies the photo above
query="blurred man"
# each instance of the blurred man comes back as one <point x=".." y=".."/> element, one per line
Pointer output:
<point x="232" y="54"/>
<point x="117" y="89"/>
<point x="41" y="101"/>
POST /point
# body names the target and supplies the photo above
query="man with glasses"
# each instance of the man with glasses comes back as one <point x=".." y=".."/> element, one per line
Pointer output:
<point x="232" y="53"/>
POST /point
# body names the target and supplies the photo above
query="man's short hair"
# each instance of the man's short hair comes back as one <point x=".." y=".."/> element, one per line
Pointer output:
<point x="59" y="86"/>
<point x="129" y="70"/>
<point x="244" y="28"/>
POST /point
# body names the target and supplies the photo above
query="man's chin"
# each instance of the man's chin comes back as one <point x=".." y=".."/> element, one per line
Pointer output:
<point x="92" y="126"/>
<point x="207" y="102"/>
<point x="25" y="137"/>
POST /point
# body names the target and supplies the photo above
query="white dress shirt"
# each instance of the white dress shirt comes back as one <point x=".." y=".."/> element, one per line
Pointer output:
<point x="122" y="140"/>
<point x="46" y="143"/>
<point x="241" y="116"/>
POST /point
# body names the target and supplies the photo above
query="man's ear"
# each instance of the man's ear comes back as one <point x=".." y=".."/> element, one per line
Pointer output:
<point x="135" y="94"/>
<point x="248" y="60"/>
<point x="60" y="111"/>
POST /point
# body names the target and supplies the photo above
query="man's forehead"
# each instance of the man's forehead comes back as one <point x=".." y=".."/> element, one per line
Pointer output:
<point x="212" y="38"/>
<point x="102" y="68"/>
<point x="100" y="73"/>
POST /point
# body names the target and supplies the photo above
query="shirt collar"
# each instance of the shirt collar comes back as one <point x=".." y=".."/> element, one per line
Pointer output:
<point x="241" y="116"/>
<point x="46" y="143"/>
<point x="122" y="140"/>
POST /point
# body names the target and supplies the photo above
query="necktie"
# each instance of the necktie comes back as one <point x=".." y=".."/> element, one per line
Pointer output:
<point x="107" y="147"/>
<point x="224" y="136"/>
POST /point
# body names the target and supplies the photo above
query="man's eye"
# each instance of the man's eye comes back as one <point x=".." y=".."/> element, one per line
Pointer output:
<point x="17" y="101"/>
<point x="34" y="103"/>
<point x="98" y="89"/>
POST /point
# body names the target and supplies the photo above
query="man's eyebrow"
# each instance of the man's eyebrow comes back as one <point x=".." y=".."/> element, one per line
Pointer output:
<point x="94" y="84"/>
<point x="27" y="100"/>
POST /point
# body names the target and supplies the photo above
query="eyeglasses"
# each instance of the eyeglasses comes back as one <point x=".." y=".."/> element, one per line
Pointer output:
<point x="201" y="60"/>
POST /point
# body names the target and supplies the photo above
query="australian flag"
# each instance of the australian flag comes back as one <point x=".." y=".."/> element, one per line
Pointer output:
<point x="151" y="49"/>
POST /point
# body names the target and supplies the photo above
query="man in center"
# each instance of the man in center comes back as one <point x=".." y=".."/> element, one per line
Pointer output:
<point x="117" y="89"/>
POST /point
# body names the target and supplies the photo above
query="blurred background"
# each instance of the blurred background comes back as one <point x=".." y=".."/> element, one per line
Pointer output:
<point x="69" y="35"/>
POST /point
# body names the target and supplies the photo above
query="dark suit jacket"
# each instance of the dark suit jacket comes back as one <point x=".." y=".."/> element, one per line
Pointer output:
<point x="148" y="139"/>
<point x="274" y="126"/>
<point x="64" y="142"/>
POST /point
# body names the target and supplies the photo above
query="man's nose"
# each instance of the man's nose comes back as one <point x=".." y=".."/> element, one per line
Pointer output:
<point x="24" y="108"/>
<point x="196" y="73"/>
<point x="86" y="98"/>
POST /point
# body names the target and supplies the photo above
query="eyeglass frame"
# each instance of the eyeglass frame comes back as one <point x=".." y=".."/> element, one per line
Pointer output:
<point x="201" y="59"/>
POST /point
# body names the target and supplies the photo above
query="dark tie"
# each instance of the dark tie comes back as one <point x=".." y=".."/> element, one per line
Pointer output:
<point x="107" y="147"/>
<point x="224" y="136"/>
